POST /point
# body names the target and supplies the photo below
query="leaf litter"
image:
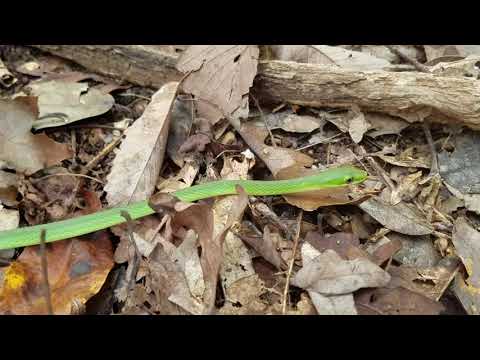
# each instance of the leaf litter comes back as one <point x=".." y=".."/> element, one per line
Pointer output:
<point x="389" y="246"/>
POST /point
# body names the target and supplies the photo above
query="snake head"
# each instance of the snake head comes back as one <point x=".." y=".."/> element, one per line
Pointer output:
<point x="355" y="176"/>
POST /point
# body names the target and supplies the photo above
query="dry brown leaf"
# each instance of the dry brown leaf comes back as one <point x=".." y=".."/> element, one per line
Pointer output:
<point x="384" y="249"/>
<point x="357" y="124"/>
<point x="266" y="247"/>
<point x="180" y="126"/>
<point x="200" y="218"/>
<point x="402" y="217"/>
<point x="60" y="192"/>
<point x="429" y="282"/>
<point x="467" y="244"/>
<point x="417" y="251"/>
<point x="289" y="121"/>
<point x="384" y="124"/>
<point x="19" y="148"/>
<point x="340" y="242"/>
<point x="398" y="301"/>
<point x="136" y="166"/>
<point x="77" y="269"/>
<point x="75" y="101"/>
<point x="276" y="158"/>
<point x="221" y="74"/>
<point x="329" y="274"/>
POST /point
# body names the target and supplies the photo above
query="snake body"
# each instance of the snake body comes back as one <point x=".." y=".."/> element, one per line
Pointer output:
<point x="26" y="236"/>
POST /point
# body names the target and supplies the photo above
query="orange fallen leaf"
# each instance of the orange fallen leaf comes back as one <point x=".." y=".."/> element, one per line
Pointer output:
<point x="77" y="269"/>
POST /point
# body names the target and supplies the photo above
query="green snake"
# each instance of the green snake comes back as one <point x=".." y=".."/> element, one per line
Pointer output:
<point x="330" y="178"/>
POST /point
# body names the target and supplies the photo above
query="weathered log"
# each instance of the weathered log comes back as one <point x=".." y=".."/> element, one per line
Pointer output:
<point x="145" y="65"/>
<point x="413" y="96"/>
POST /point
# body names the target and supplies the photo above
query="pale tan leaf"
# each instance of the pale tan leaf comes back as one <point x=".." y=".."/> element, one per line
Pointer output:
<point x="329" y="274"/>
<point x="402" y="217"/>
<point x="75" y="101"/>
<point x="21" y="149"/>
<point x="221" y="74"/>
<point x="136" y="166"/>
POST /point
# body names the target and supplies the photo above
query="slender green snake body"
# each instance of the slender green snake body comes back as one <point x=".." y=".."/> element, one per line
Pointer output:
<point x="26" y="236"/>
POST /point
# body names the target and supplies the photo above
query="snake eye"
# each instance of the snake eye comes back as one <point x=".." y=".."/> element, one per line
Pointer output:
<point x="349" y="179"/>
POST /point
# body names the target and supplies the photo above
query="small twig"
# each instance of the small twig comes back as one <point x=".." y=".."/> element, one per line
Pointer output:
<point x="418" y="66"/>
<point x="319" y="142"/>
<point x="257" y="104"/>
<point x="106" y="150"/>
<point x="292" y="261"/>
<point x="135" y="263"/>
<point x="44" y="264"/>
<point x="434" y="166"/>
<point x="73" y="135"/>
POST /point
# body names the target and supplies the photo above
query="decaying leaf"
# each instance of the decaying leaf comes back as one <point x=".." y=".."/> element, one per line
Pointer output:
<point x="181" y="124"/>
<point x="329" y="274"/>
<point x="289" y="121"/>
<point x="429" y="282"/>
<point x="460" y="168"/>
<point x="397" y="301"/>
<point x="327" y="304"/>
<point x="340" y="242"/>
<point x="221" y="74"/>
<point x="357" y="124"/>
<point x="77" y="269"/>
<point x="21" y="149"/>
<point x="383" y="124"/>
<point x="142" y="151"/>
<point x="266" y="247"/>
<point x="384" y="249"/>
<point x="276" y="158"/>
<point x="402" y="217"/>
<point x="61" y="102"/>
<point x="467" y="244"/>
<point x="417" y="251"/>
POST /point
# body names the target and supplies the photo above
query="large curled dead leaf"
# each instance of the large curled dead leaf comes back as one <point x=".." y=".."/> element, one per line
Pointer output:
<point x="221" y="75"/>
<point x="21" y="149"/>
<point x="141" y="153"/>
<point x="61" y="102"/>
<point x="77" y="269"/>
<point x="200" y="218"/>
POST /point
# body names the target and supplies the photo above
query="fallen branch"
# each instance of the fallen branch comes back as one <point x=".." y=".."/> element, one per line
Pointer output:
<point x="444" y="95"/>
<point x="412" y="96"/>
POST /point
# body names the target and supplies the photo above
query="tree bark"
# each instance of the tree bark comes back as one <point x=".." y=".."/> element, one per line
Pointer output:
<point x="412" y="96"/>
<point x="145" y="65"/>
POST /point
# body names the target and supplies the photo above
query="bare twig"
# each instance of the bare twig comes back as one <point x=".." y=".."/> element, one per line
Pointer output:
<point x="292" y="261"/>
<point x="106" y="150"/>
<point x="257" y="104"/>
<point x="44" y="264"/>
<point x="434" y="166"/>
<point x="418" y="66"/>
<point x="134" y="264"/>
